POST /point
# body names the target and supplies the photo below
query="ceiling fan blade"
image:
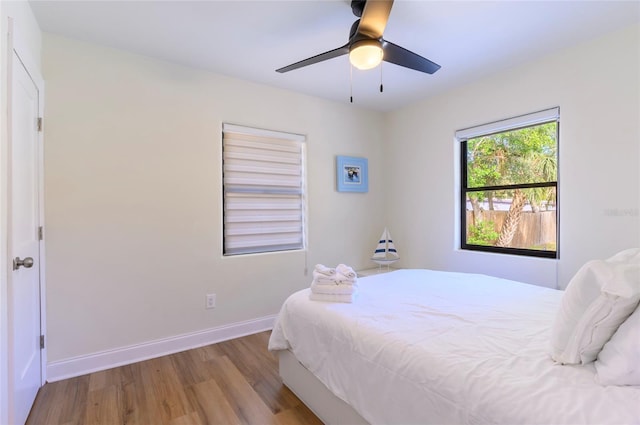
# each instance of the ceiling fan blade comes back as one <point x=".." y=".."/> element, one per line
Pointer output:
<point x="317" y="58"/>
<point x="403" y="57"/>
<point x="374" y="18"/>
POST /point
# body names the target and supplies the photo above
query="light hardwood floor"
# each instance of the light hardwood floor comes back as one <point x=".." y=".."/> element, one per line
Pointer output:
<point x="232" y="382"/>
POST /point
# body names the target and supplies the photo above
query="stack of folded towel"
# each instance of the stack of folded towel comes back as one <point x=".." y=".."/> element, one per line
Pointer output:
<point x="334" y="284"/>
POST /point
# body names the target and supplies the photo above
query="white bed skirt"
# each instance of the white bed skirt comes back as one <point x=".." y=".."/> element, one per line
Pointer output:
<point x="314" y="394"/>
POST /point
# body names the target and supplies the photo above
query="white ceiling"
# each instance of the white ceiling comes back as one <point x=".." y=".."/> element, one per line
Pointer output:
<point x="250" y="39"/>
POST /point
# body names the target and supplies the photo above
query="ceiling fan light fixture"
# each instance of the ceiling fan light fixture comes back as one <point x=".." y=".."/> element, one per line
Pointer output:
<point x="366" y="54"/>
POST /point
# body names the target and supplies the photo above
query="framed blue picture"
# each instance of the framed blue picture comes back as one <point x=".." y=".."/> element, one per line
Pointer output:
<point x="352" y="174"/>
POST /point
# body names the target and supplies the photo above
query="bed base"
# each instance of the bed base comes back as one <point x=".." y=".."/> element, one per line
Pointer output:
<point x="314" y="394"/>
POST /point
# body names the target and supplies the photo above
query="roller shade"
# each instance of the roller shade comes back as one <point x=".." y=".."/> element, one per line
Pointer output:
<point x="263" y="178"/>
<point x="547" y="115"/>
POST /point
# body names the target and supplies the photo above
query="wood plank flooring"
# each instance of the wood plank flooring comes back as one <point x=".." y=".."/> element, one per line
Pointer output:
<point x="232" y="382"/>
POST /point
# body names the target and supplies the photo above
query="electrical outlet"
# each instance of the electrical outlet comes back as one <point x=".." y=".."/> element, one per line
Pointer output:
<point x="211" y="301"/>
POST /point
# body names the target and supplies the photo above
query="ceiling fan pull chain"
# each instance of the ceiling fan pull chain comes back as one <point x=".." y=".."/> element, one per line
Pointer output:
<point x="381" y="88"/>
<point x="350" y="83"/>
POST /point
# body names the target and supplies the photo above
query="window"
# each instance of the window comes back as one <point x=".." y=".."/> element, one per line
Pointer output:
<point x="509" y="197"/>
<point x="263" y="190"/>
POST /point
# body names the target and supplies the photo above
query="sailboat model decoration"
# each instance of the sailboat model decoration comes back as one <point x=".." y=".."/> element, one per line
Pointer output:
<point x="385" y="253"/>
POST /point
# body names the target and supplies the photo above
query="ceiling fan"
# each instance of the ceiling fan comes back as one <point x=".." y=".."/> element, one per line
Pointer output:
<point x="366" y="47"/>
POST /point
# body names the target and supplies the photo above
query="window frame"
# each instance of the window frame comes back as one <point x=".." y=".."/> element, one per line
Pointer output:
<point x="511" y="124"/>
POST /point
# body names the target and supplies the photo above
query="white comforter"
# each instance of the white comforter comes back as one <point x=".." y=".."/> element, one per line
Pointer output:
<point x="428" y="347"/>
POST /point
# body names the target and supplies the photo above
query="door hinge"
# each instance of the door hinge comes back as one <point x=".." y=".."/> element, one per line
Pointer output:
<point x="39" y="124"/>
<point x="42" y="342"/>
<point x="40" y="233"/>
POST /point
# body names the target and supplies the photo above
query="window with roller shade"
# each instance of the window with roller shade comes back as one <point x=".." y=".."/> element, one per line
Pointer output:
<point x="263" y="190"/>
<point x="509" y="179"/>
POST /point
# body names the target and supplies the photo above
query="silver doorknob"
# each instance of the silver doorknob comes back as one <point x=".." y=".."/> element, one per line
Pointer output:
<point x="27" y="263"/>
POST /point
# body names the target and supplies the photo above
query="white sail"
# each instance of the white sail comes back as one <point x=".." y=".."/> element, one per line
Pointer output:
<point x="385" y="252"/>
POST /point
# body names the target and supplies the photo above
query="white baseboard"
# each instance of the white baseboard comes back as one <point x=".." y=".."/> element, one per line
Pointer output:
<point x="82" y="365"/>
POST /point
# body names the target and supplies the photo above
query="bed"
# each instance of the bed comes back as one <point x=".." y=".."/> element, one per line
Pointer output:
<point x="431" y="347"/>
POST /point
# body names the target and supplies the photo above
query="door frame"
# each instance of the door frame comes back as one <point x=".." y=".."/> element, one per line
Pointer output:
<point x="18" y="46"/>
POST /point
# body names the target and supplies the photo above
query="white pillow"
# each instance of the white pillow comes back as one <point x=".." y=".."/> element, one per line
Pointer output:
<point x="626" y="256"/>
<point x="598" y="299"/>
<point x="619" y="361"/>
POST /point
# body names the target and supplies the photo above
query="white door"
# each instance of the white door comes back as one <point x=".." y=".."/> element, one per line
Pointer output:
<point x="24" y="287"/>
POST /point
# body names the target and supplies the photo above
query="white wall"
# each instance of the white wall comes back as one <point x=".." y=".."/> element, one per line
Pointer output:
<point x="26" y="32"/>
<point x="597" y="86"/>
<point x="133" y="177"/>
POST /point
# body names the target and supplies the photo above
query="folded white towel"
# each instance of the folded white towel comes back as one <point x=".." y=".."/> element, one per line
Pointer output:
<point x="344" y="279"/>
<point x="329" y="280"/>
<point x="324" y="270"/>
<point x="339" y="289"/>
<point x="333" y="298"/>
<point x="346" y="271"/>
<point x="335" y="280"/>
<point x="325" y="281"/>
